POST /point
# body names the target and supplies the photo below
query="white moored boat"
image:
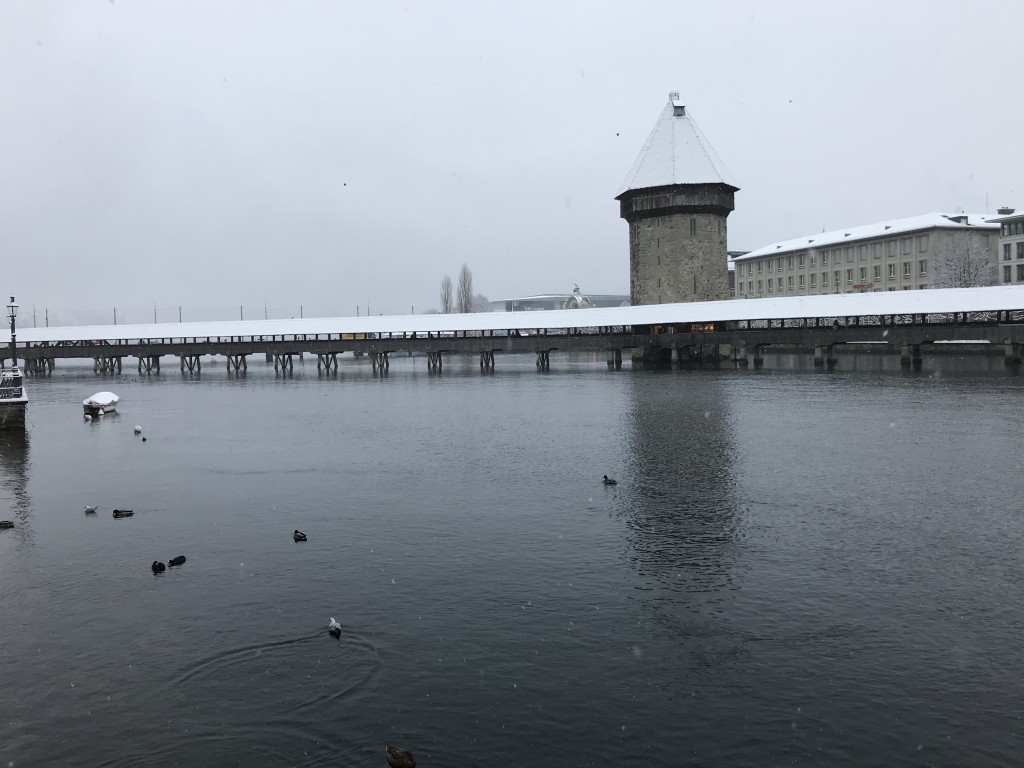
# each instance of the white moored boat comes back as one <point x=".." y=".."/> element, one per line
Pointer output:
<point x="100" y="403"/>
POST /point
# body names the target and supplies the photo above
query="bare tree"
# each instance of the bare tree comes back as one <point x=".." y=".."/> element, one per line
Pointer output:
<point x="446" y="295"/>
<point x="965" y="261"/>
<point x="481" y="303"/>
<point x="464" y="297"/>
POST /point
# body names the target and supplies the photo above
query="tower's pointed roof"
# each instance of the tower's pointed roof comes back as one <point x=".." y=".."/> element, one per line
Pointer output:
<point x="676" y="152"/>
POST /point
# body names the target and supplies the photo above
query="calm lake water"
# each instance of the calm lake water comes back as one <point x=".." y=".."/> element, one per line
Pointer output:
<point x="795" y="568"/>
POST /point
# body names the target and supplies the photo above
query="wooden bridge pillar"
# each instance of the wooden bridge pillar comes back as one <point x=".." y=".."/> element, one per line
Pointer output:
<point x="825" y="356"/>
<point x="40" y="366"/>
<point x="381" y="362"/>
<point x="758" y="356"/>
<point x="615" y="359"/>
<point x="1012" y="354"/>
<point x="487" y="360"/>
<point x="739" y="355"/>
<point x="910" y="356"/>
<point x="284" y="361"/>
<point x="192" y="362"/>
<point x="106" y="365"/>
<point x="434" y="363"/>
<point x="149" y="363"/>
<point x="328" y="361"/>
<point x="543" y="360"/>
<point x="237" y="363"/>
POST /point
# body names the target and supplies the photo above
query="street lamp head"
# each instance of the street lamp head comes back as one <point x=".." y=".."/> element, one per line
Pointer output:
<point x="12" y="309"/>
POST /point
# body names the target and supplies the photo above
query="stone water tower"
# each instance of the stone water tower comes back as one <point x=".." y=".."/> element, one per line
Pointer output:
<point x="676" y="199"/>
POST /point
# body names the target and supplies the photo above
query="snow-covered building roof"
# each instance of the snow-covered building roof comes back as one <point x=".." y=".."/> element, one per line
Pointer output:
<point x="676" y="152"/>
<point x="961" y="221"/>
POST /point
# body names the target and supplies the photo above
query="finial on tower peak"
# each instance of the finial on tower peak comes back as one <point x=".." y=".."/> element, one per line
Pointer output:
<point x="673" y="95"/>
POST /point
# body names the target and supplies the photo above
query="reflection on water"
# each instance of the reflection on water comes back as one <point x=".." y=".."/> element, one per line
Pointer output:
<point x="14" y="468"/>
<point x="683" y="517"/>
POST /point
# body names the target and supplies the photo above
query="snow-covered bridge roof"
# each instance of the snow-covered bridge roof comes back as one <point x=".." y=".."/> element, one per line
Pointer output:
<point x="931" y="301"/>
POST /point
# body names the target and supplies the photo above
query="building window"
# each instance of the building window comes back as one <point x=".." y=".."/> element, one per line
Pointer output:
<point x="759" y="286"/>
<point x="790" y="283"/>
<point x="814" y="260"/>
<point x="1020" y="273"/>
<point x="922" y="243"/>
<point x="814" y="280"/>
<point x="759" y="267"/>
<point x="863" y="274"/>
<point x="877" y="272"/>
<point x="1006" y="251"/>
<point x="922" y="268"/>
<point x="862" y="253"/>
<point x="837" y="277"/>
<point x="693" y="226"/>
<point x="802" y="279"/>
<point x="780" y="285"/>
<point x="824" y="279"/>
<point x="892" y="271"/>
<point x="876" y="251"/>
<point x="824" y="258"/>
<point x="778" y="265"/>
<point x="849" y="277"/>
<point x="1020" y="250"/>
<point x="906" y="246"/>
<point x="906" y="270"/>
<point x="800" y="261"/>
<point x="789" y="262"/>
<point x="1006" y="273"/>
<point x="771" y="265"/>
<point x="849" y="254"/>
<point x="771" y="285"/>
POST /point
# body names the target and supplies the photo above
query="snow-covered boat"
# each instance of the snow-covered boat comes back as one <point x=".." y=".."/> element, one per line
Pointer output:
<point x="100" y="403"/>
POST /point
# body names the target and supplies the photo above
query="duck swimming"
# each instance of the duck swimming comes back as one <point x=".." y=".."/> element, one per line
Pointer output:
<point x="158" y="567"/>
<point x="400" y="758"/>
<point x="610" y="481"/>
<point x="123" y="513"/>
<point x="299" y="536"/>
<point x="334" y="628"/>
<point x="5" y="524"/>
<point x="179" y="560"/>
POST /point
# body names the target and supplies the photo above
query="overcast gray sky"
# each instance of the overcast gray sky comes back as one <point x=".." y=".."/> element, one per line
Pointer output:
<point x="329" y="154"/>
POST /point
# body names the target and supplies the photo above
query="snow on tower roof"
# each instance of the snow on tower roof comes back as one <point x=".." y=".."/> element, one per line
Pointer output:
<point x="880" y="229"/>
<point x="676" y="152"/>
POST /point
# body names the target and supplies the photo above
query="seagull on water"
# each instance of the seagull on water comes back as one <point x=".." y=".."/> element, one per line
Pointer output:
<point x="334" y="628"/>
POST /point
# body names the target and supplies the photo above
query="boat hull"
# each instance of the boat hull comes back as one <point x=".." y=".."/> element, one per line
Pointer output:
<point x="12" y="413"/>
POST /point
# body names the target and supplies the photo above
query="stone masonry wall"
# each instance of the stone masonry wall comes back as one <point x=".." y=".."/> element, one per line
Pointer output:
<point x="669" y="264"/>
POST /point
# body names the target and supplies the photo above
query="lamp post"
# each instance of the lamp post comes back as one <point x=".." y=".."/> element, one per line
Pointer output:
<point x="12" y="312"/>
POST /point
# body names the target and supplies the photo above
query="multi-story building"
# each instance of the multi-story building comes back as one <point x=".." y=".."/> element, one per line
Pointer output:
<point x="1011" y="246"/>
<point x="929" y="251"/>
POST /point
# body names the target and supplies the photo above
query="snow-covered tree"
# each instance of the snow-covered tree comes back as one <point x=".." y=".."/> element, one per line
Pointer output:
<point x="964" y="261"/>
<point x="464" y="295"/>
<point x="446" y="295"/>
